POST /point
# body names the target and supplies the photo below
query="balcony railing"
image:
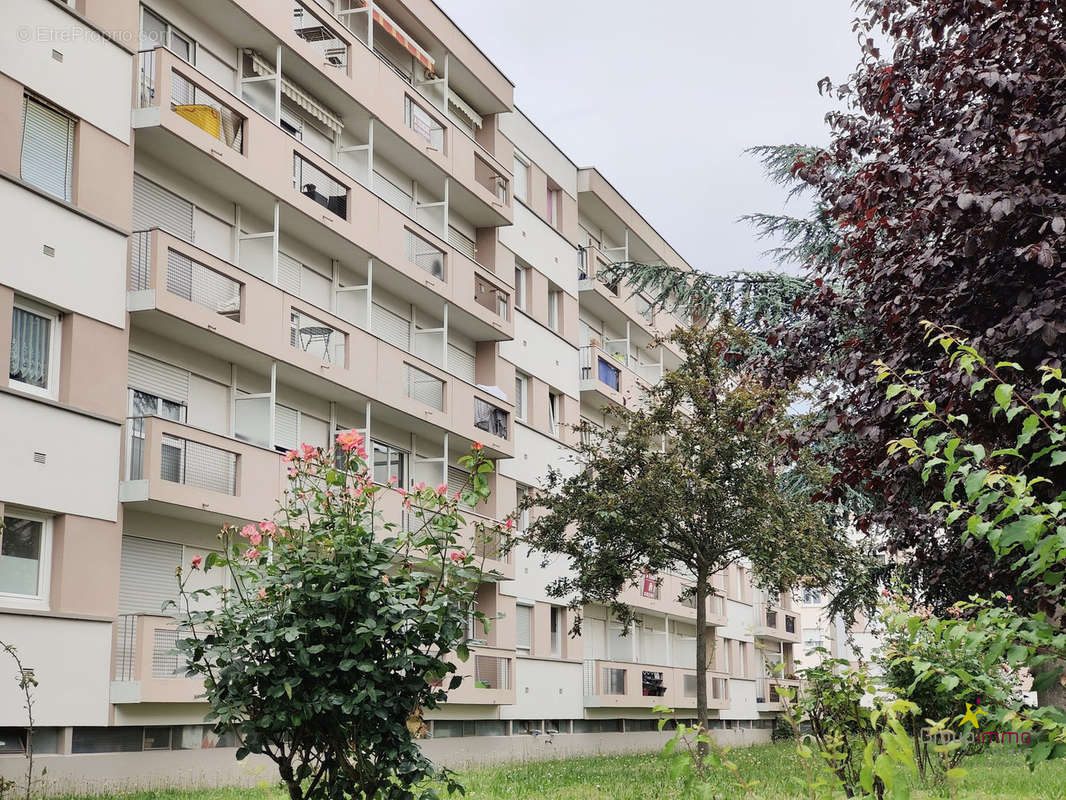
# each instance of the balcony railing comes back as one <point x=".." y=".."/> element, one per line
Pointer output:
<point x="320" y="187"/>
<point x="489" y="177"/>
<point x="183" y="461"/>
<point x="313" y="336"/>
<point x="489" y="418"/>
<point x="191" y="102"/>
<point x="136" y="631"/>
<point x="425" y="388"/>
<point x="312" y="29"/>
<point x="595" y="366"/>
<point x="488" y="295"/>
<point x="424" y="124"/>
<point x="202" y="285"/>
<point x="423" y="254"/>
<point x="492" y="672"/>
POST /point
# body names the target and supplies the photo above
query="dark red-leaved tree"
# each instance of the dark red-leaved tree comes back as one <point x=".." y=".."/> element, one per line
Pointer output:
<point x="941" y="196"/>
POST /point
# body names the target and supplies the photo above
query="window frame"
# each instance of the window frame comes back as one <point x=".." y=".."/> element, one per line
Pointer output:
<point x="171" y="30"/>
<point x="391" y="449"/>
<point x="42" y="599"/>
<point x="521" y="400"/>
<point x="521" y="286"/>
<point x="520" y="158"/>
<point x="55" y="329"/>
<point x="527" y="648"/>
<point x="71" y="154"/>
<point x="555" y="299"/>
<point x="554" y="411"/>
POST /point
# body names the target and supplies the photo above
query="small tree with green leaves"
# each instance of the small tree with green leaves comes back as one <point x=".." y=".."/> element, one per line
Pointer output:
<point x="339" y="629"/>
<point x="1013" y="498"/>
<point x="690" y="480"/>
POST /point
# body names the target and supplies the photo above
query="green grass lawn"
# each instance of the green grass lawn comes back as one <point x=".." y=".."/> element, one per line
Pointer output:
<point x="997" y="774"/>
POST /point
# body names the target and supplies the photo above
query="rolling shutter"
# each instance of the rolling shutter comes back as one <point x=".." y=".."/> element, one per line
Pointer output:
<point x="47" y="149"/>
<point x="286" y="427"/>
<point x="159" y="379"/>
<point x="461" y="363"/>
<point x="461" y="242"/>
<point x="459" y="481"/>
<point x="156" y="207"/>
<point x="523" y="636"/>
<point x="391" y="327"/>
<point x="146" y="579"/>
<point x="289" y="270"/>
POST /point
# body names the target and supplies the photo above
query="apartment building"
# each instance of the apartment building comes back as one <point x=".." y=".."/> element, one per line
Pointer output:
<point x="240" y="225"/>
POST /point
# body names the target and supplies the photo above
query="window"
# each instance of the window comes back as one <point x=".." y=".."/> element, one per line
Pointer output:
<point x="521" y="178"/>
<point x="34" y="365"/>
<point x="524" y="622"/>
<point x="553" y="413"/>
<point x="521" y="285"/>
<point x="614" y="680"/>
<point x="389" y="462"/>
<point x="25" y="558"/>
<point x="555" y="297"/>
<point x="557" y="631"/>
<point x="812" y="597"/>
<point x="141" y="405"/>
<point x="523" y="515"/>
<point x="157" y="32"/>
<point x="489" y="418"/>
<point x="689" y="685"/>
<point x="521" y="386"/>
<point x="47" y="149"/>
<point x="552" y="211"/>
<point x="742" y="659"/>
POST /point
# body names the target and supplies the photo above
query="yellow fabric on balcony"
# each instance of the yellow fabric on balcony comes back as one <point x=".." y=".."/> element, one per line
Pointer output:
<point x="203" y="117"/>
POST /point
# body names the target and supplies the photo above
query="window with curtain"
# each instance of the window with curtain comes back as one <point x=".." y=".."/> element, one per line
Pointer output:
<point x="33" y="350"/>
<point x="520" y="383"/>
<point x="47" y="149"/>
<point x="553" y="413"/>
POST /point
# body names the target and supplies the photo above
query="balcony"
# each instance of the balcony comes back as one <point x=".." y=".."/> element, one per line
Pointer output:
<point x="767" y="697"/>
<point x="183" y="293"/>
<point x="146" y="665"/>
<point x="319" y="202"/>
<point x="617" y="684"/>
<point x="217" y="479"/>
<point x="660" y="593"/>
<point x="488" y="678"/>
<point x="606" y="380"/>
<point x="773" y="623"/>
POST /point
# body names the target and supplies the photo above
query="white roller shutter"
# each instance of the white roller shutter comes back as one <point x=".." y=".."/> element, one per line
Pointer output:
<point x="286" y="427"/>
<point x="159" y="379"/>
<point x="461" y="242"/>
<point x="156" y="207"/>
<point x="524" y="628"/>
<point x="47" y="149"/>
<point x="146" y="577"/>
<point x="459" y="481"/>
<point x="391" y="327"/>
<point x="461" y="363"/>
<point x="289" y="270"/>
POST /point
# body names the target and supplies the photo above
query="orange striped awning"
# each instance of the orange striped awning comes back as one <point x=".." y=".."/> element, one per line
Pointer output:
<point x="398" y="33"/>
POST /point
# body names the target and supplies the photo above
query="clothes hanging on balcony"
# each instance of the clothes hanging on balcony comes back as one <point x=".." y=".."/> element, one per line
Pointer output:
<point x="203" y="117"/>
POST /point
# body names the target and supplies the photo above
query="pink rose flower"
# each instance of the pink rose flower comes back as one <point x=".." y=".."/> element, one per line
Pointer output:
<point x="262" y="594"/>
<point x="350" y="440"/>
<point x="196" y="561"/>
<point x="394" y="481"/>
<point x="457" y="555"/>
<point x="307" y="450"/>
<point x="478" y="446"/>
<point x="420" y="486"/>
<point x="290" y="455"/>
<point x="1010" y="599"/>
<point x="266" y="526"/>
<point x="248" y="530"/>
<point x="255" y="539"/>
<point x="442" y="489"/>
<point x="508" y="524"/>
<point x="252" y="553"/>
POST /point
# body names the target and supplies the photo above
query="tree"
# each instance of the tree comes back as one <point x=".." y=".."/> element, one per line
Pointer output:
<point x="691" y="481"/>
<point x="1009" y="497"/>
<point x="939" y="196"/>
<point x="339" y="628"/>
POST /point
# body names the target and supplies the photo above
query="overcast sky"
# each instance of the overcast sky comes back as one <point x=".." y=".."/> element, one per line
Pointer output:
<point x="664" y="96"/>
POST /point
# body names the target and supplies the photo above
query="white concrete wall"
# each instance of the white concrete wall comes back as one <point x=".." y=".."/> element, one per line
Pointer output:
<point x="546" y="689"/>
<point x="530" y="579"/>
<point x="91" y="81"/>
<point x="535" y="350"/>
<point x="81" y="469"/>
<point x="87" y="274"/>
<point x="534" y="453"/>
<point x="537" y="147"/>
<point x="541" y="245"/>
<point x="71" y="659"/>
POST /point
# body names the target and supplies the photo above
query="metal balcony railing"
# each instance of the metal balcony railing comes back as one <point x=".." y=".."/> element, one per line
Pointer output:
<point x="489" y="177"/>
<point x="424" y="124"/>
<point x="182" y="460"/>
<point x="425" y="388"/>
<point x="313" y="336"/>
<point x="202" y="285"/>
<point x="320" y="187"/>
<point x="423" y="254"/>
<point x="313" y="29"/>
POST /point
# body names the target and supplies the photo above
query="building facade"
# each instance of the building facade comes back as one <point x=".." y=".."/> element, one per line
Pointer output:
<point x="239" y="225"/>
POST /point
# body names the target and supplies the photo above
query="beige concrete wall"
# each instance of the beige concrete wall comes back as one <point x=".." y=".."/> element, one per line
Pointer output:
<point x="188" y="769"/>
<point x="85" y="566"/>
